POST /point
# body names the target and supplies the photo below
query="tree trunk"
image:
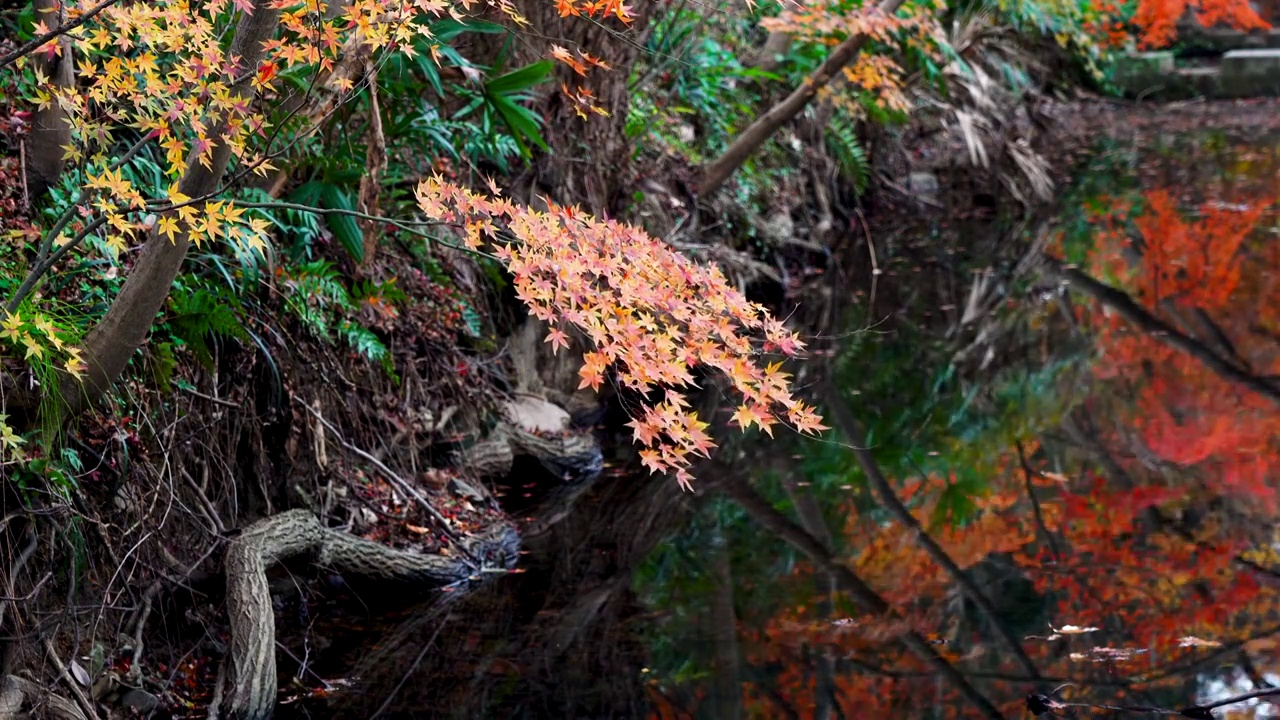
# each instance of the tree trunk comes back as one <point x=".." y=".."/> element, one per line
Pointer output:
<point x="770" y="55"/>
<point x="724" y="628"/>
<point x="750" y="140"/>
<point x="297" y="532"/>
<point x="50" y="127"/>
<point x="810" y="515"/>
<point x="112" y="342"/>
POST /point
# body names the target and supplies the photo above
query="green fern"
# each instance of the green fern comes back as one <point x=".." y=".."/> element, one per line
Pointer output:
<point x="317" y="293"/>
<point x="842" y="139"/>
<point x="199" y="317"/>
<point x="322" y="282"/>
<point x="320" y="301"/>
<point x="364" y="341"/>
<point x="163" y="365"/>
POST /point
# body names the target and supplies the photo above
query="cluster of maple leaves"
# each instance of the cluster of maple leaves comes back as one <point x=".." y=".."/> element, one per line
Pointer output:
<point x="650" y="313"/>
<point x="915" y="26"/>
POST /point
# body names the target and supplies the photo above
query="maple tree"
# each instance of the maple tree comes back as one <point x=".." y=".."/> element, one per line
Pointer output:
<point x="648" y="311"/>
<point x="1153" y="23"/>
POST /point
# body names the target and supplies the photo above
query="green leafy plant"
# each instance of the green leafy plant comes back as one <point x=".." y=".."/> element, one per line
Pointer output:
<point x="316" y="296"/>
<point x="343" y="227"/>
<point x="499" y="102"/>
<point x="203" y="316"/>
<point x="843" y="142"/>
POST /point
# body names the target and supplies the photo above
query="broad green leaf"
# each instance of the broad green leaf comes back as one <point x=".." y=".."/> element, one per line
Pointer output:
<point x="522" y="79"/>
<point x="343" y="227"/>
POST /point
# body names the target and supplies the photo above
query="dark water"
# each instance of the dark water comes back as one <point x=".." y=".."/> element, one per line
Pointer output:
<point x="1099" y="462"/>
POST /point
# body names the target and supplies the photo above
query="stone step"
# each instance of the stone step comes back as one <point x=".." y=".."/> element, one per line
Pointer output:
<point x="1245" y="73"/>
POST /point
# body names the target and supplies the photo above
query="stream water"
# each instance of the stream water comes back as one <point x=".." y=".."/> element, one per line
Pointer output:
<point x="1094" y="460"/>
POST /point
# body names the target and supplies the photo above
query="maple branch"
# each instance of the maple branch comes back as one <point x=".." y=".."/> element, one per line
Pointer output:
<point x="43" y="260"/>
<point x="60" y="30"/>
<point x="750" y="140"/>
<point x="111" y="343"/>
<point x="1122" y="303"/>
<point x="1028" y="473"/>
<point x="42" y="267"/>
<point x="871" y="602"/>
<point x="842" y="417"/>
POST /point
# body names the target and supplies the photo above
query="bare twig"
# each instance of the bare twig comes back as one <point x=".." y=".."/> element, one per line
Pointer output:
<point x="212" y="399"/>
<point x="219" y="690"/>
<point x="147" y="598"/>
<point x="85" y="704"/>
<point x="16" y="567"/>
<point x="35" y="590"/>
<point x="56" y="32"/>
<point x="205" y="506"/>
<point x="392" y="477"/>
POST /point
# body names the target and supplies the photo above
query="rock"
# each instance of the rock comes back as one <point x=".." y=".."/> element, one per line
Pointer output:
<point x="535" y="415"/>
<point x="10" y="697"/>
<point x="467" y="490"/>
<point x="779" y="228"/>
<point x="923" y="185"/>
<point x="1139" y="73"/>
<point x="140" y="700"/>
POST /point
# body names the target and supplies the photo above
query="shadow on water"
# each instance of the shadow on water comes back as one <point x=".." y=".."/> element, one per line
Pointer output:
<point x="1098" y="461"/>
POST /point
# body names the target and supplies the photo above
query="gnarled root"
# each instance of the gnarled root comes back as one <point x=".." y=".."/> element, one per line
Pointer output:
<point x="15" y="690"/>
<point x="253" y="659"/>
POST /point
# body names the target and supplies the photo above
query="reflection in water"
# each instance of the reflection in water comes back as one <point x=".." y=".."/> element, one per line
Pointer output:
<point x="1113" y="492"/>
<point x="1099" y="464"/>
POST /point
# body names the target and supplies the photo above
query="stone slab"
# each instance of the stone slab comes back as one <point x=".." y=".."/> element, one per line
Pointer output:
<point x="1250" y="73"/>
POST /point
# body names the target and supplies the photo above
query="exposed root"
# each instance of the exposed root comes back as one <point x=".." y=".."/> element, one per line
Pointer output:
<point x="252" y="690"/>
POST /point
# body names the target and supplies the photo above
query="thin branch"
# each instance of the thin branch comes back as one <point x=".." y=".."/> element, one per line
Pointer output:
<point x="39" y="270"/>
<point x="844" y="420"/>
<point x="1028" y="473"/>
<point x="43" y="260"/>
<point x="1122" y="303"/>
<point x="769" y="518"/>
<point x="390" y="475"/>
<point x="81" y="699"/>
<point x="60" y="30"/>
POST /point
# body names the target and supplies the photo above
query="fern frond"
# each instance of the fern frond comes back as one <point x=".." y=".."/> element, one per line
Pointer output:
<point x="843" y="141"/>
